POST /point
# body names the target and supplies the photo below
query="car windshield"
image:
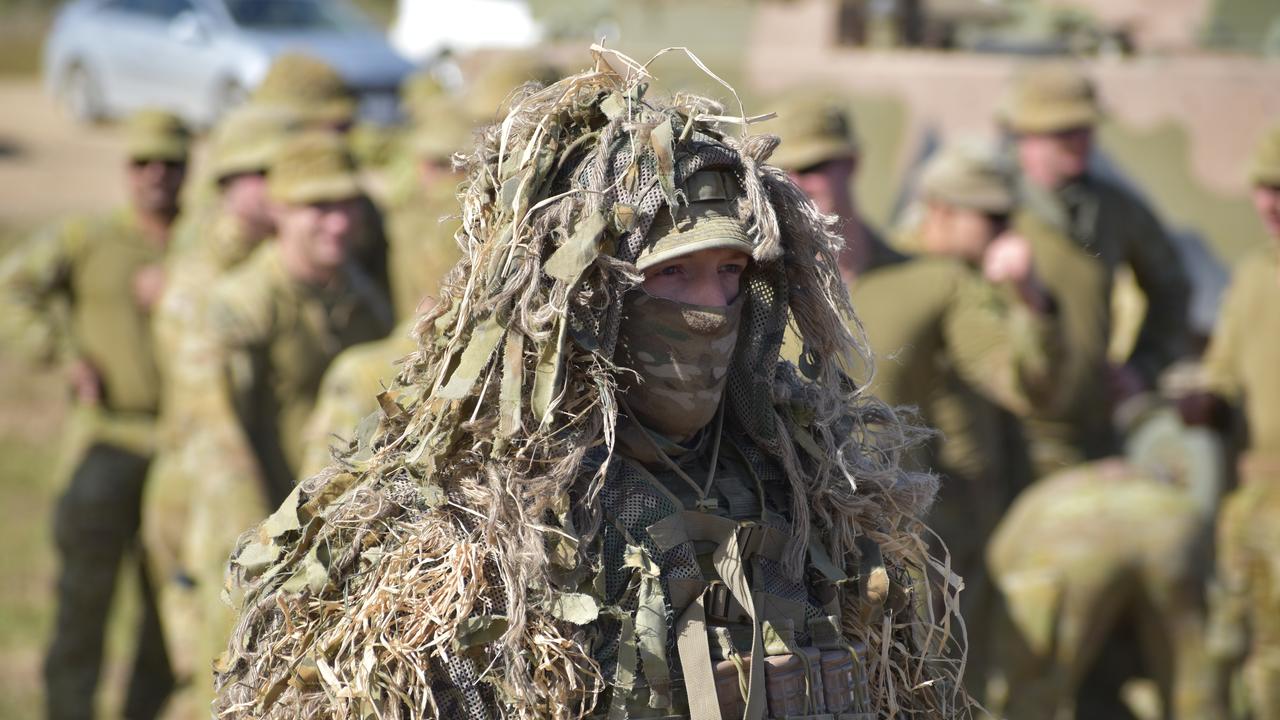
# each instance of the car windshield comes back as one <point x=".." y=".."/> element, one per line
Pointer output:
<point x="295" y="15"/>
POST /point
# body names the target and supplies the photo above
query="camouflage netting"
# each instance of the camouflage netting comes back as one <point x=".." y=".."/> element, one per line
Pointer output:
<point x="444" y="565"/>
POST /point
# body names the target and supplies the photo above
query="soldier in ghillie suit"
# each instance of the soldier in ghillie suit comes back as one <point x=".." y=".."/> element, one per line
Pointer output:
<point x="594" y="489"/>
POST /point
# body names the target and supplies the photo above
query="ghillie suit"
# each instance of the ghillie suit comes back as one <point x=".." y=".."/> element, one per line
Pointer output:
<point x="483" y="551"/>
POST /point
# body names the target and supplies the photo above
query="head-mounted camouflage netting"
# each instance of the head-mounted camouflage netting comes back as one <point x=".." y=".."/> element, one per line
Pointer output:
<point x="443" y="566"/>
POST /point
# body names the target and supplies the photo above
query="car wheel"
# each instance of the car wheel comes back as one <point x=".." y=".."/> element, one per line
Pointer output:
<point x="81" y="95"/>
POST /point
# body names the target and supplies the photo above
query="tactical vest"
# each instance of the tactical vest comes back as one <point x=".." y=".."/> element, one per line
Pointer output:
<point x="696" y="591"/>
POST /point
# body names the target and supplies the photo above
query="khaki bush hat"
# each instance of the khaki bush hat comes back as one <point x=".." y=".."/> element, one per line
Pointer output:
<point x="247" y="140"/>
<point x="492" y="86"/>
<point x="1050" y="97"/>
<point x="313" y="167"/>
<point x="420" y="94"/>
<point x="307" y="86"/>
<point x="970" y="176"/>
<point x="708" y="221"/>
<point x="815" y="128"/>
<point x="156" y="135"/>
<point x="1266" y="160"/>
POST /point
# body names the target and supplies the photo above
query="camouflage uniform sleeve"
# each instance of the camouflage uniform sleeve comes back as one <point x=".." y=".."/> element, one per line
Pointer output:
<point x="212" y="377"/>
<point x="340" y="405"/>
<point x="1006" y="351"/>
<point x="35" y="291"/>
<point x="1158" y="269"/>
<point x="1221" y="375"/>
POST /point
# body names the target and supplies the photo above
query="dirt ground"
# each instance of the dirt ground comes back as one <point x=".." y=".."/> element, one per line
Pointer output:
<point x="49" y="166"/>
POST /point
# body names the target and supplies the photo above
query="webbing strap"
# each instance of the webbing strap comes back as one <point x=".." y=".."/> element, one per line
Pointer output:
<point x="728" y="562"/>
<point x="695" y="659"/>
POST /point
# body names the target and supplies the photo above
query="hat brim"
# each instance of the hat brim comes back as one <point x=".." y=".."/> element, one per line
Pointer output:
<point x="799" y="155"/>
<point x="706" y="233"/>
<point x="164" y="151"/>
<point x="249" y="161"/>
<point x="317" y="190"/>
<point x="1053" y="118"/>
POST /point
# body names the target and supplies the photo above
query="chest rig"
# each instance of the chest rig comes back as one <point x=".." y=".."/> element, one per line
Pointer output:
<point x="693" y="551"/>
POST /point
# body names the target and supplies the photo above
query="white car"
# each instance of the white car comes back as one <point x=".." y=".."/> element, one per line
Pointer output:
<point x="197" y="58"/>
<point x="427" y="29"/>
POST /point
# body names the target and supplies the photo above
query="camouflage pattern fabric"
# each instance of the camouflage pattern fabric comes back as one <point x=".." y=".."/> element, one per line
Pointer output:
<point x="1240" y="366"/>
<point x="681" y="353"/>
<point x="1081" y="235"/>
<point x="1242" y="360"/>
<point x="349" y="393"/>
<point x="1084" y="556"/>
<point x="222" y="245"/>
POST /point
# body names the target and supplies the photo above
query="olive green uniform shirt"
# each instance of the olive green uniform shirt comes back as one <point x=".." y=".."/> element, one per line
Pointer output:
<point x="68" y="294"/>
<point x="958" y="348"/>
<point x="349" y="393"/>
<point x="1080" y="235"/>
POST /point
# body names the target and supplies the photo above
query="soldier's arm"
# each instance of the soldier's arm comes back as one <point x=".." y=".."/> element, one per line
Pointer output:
<point x="1221" y="371"/>
<point x="35" y="295"/>
<point x="1158" y="269"/>
<point x="1003" y="347"/>
<point x="342" y="402"/>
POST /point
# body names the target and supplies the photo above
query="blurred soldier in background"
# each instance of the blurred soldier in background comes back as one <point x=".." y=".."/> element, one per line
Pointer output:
<point x="966" y="333"/>
<point x="243" y="146"/>
<point x="1083" y="227"/>
<point x="1242" y="367"/>
<point x="81" y="297"/>
<point x="424" y="218"/>
<point x="820" y="151"/>
<point x="1100" y="571"/>
<point x="423" y="249"/>
<point x="317" y="96"/>
<point x="271" y="328"/>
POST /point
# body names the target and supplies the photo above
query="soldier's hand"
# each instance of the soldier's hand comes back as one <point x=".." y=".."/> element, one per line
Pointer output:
<point x="86" y="383"/>
<point x="148" y="285"/>
<point x="1008" y="260"/>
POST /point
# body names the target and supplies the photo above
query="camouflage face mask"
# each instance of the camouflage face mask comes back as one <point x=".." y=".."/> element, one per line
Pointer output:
<point x="682" y="354"/>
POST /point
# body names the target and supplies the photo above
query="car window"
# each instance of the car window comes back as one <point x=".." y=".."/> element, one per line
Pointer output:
<point x="167" y="9"/>
<point x="295" y="15"/>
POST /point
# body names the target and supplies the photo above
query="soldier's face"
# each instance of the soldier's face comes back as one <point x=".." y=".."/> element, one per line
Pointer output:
<point x="245" y="196"/>
<point x="154" y="184"/>
<point x="320" y="232"/>
<point x="960" y="232"/>
<point x="1051" y="159"/>
<point x="829" y="184"/>
<point x="711" y="277"/>
<point x="1266" y="200"/>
